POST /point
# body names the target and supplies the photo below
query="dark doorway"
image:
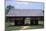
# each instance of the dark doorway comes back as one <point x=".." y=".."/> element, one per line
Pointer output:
<point x="19" y="22"/>
<point x="34" y="22"/>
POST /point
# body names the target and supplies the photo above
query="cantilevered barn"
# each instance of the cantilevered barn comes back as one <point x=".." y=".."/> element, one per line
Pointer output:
<point x="25" y="16"/>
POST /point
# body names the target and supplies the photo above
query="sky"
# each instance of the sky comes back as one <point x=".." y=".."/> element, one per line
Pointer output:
<point x="24" y="5"/>
<point x="32" y="0"/>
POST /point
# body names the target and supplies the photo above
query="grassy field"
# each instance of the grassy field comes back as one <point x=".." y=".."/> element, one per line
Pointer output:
<point x="10" y="27"/>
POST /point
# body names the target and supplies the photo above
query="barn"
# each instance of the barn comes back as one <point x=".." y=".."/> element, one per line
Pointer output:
<point x="25" y="16"/>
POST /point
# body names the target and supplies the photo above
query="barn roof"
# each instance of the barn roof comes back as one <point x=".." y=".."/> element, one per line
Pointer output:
<point x="25" y="12"/>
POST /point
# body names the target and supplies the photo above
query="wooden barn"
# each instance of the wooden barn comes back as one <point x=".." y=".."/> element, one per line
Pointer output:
<point x="20" y="16"/>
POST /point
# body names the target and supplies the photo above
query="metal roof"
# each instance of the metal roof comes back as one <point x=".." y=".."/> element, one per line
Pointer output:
<point x="25" y="12"/>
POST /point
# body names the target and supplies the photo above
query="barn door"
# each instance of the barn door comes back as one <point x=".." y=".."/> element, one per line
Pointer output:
<point x="19" y="21"/>
<point x="34" y="22"/>
<point x="27" y="21"/>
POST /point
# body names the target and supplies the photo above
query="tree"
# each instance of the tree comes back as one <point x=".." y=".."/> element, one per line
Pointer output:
<point x="8" y="8"/>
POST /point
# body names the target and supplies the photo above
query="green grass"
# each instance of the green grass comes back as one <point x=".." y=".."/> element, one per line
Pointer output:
<point x="10" y="27"/>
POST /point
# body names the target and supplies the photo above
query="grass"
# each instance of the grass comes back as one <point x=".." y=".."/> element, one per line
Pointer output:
<point x="10" y="27"/>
